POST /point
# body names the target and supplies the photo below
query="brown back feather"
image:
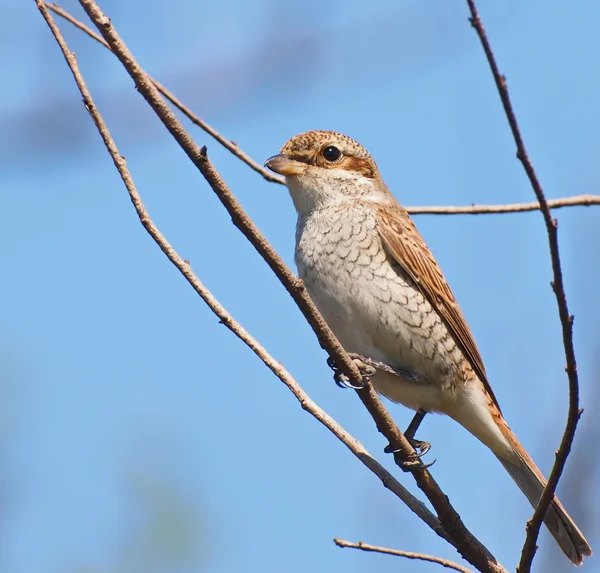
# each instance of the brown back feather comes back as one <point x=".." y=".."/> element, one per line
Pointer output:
<point x="406" y="246"/>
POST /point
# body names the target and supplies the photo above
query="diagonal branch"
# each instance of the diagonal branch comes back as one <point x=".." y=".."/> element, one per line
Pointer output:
<point x="462" y="538"/>
<point x="533" y="527"/>
<point x="356" y="447"/>
<point x="399" y="553"/>
<point x="578" y="200"/>
<point x="465" y="542"/>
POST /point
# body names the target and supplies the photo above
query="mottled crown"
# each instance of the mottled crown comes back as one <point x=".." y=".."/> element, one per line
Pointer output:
<point x="309" y="148"/>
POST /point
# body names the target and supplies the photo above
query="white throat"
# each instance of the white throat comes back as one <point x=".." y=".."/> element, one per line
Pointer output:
<point x="310" y="193"/>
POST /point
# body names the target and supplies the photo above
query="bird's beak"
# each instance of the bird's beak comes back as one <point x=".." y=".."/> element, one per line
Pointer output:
<point x="285" y="165"/>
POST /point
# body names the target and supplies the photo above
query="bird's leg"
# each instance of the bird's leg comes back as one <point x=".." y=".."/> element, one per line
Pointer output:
<point x="368" y="367"/>
<point x="421" y="447"/>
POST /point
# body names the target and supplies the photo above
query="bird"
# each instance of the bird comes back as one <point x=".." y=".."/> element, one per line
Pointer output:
<point x="378" y="286"/>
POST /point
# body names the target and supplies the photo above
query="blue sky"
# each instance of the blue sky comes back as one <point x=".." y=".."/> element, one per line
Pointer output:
<point x="137" y="433"/>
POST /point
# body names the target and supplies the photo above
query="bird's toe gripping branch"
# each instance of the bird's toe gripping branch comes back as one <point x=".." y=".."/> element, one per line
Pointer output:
<point x="363" y="364"/>
<point x="420" y="447"/>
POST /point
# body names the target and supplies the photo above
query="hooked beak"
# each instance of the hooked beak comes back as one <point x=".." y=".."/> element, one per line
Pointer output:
<point x="285" y="165"/>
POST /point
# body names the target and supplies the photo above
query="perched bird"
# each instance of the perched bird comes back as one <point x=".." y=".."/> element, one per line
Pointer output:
<point x="376" y="283"/>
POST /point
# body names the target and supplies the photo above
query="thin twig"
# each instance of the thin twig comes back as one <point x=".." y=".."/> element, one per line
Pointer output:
<point x="356" y="447"/>
<point x="533" y="527"/>
<point x="578" y="200"/>
<point x="463" y="540"/>
<point x="399" y="553"/>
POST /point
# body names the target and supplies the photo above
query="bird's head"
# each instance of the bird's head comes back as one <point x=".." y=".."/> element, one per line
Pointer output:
<point x="324" y="167"/>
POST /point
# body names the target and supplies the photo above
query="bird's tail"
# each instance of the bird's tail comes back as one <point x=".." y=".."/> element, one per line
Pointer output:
<point x="530" y="480"/>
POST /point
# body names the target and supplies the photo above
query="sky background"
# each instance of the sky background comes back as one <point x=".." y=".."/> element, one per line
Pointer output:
<point x="139" y="435"/>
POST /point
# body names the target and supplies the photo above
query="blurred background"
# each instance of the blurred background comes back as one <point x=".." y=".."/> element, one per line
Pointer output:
<point x="139" y="435"/>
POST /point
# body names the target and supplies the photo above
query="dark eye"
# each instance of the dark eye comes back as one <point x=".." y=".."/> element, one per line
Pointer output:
<point x="331" y="153"/>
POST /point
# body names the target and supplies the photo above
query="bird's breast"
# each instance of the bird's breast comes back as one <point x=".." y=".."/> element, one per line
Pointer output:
<point x="367" y="299"/>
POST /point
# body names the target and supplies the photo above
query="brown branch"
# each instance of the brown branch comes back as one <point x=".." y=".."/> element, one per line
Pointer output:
<point x="463" y="540"/>
<point x="460" y="536"/>
<point x="533" y="526"/>
<point x="579" y="200"/>
<point x="356" y="447"/>
<point x="230" y="145"/>
<point x="399" y="553"/>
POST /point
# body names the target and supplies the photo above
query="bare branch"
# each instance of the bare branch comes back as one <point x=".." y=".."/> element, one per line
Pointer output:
<point x="533" y="526"/>
<point x="461" y="537"/>
<point x="399" y="553"/>
<point x="465" y="542"/>
<point x="579" y="200"/>
<point x="356" y="447"/>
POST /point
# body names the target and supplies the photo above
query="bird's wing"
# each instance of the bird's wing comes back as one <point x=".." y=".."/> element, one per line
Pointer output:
<point x="405" y="245"/>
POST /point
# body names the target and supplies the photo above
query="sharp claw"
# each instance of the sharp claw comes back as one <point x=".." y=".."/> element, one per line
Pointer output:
<point x="347" y="385"/>
<point x="421" y="447"/>
<point x="342" y="381"/>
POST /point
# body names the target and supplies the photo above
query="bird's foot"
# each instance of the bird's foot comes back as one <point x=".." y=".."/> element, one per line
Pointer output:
<point x="421" y="448"/>
<point x="414" y="465"/>
<point x="415" y="462"/>
<point x="383" y="367"/>
<point x="368" y="368"/>
<point x="363" y="364"/>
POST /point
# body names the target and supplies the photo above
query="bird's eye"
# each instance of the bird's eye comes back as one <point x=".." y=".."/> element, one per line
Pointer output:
<point x="331" y="153"/>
